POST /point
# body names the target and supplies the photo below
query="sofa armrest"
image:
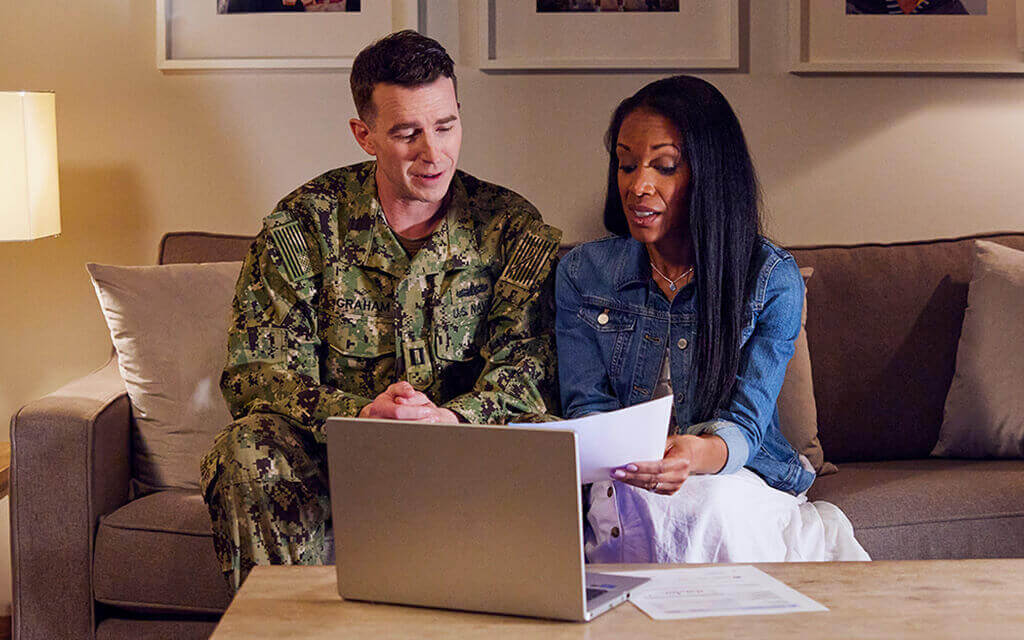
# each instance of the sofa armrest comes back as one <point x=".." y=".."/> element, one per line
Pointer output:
<point x="71" y="463"/>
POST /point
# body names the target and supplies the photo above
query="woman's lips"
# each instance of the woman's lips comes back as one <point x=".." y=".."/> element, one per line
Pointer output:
<point x="643" y="216"/>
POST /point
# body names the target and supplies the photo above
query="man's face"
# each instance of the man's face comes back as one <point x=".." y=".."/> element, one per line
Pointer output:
<point x="415" y="135"/>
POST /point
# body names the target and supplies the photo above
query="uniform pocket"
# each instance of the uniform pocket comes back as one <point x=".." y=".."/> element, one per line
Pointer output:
<point x="457" y="331"/>
<point x="356" y="342"/>
<point x="459" y="323"/>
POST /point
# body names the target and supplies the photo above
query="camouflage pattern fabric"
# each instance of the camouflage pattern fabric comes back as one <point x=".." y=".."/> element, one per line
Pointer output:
<point x="330" y="310"/>
<point x="272" y="495"/>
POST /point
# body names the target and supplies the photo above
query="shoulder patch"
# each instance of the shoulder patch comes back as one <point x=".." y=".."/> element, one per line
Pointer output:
<point x="530" y="255"/>
<point x="291" y="246"/>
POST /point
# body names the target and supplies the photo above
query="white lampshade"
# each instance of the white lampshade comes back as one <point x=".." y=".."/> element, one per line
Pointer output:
<point x="29" y="197"/>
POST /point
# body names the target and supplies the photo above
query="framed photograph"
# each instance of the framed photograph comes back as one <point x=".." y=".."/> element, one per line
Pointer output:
<point x="274" y="34"/>
<point x="906" y="36"/>
<point x="609" y="34"/>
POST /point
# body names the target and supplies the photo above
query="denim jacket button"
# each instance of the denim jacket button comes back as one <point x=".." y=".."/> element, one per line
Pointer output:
<point x="682" y="343"/>
<point x="603" y="317"/>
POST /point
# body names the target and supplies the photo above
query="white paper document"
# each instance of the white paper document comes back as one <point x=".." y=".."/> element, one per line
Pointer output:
<point x="675" y="594"/>
<point x="616" y="438"/>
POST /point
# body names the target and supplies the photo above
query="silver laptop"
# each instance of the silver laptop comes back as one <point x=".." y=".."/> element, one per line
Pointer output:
<point x="478" y="518"/>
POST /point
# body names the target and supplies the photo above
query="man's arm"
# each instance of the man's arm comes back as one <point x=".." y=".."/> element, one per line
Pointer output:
<point x="273" y="364"/>
<point x="519" y="378"/>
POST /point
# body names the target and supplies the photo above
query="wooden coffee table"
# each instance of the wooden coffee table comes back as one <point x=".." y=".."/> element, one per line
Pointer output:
<point x="919" y="599"/>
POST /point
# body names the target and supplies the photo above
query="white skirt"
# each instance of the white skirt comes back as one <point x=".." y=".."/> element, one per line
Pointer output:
<point x="715" y="518"/>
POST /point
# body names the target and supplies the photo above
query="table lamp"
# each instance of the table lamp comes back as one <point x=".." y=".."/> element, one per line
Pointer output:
<point x="29" y="197"/>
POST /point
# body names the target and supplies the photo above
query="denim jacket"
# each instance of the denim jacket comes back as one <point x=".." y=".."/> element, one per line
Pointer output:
<point x="613" y="325"/>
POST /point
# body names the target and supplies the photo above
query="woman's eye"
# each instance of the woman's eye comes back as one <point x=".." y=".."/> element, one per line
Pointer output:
<point x="627" y="168"/>
<point x="666" y="170"/>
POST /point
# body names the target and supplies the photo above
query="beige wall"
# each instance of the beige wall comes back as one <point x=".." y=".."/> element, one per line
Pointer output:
<point x="841" y="158"/>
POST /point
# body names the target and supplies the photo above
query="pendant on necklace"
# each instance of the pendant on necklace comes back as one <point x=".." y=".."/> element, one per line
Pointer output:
<point x="671" y="286"/>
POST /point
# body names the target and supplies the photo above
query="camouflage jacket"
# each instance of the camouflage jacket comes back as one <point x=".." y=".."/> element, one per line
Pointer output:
<point x="329" y="309"/>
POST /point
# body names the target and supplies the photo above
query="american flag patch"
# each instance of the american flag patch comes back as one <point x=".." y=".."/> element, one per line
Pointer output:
<point x="291" y="246"/>
<point x="527" y="261"/>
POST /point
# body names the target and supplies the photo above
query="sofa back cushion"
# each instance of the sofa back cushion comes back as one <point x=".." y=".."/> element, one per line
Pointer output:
<point x="883" y="324"/>
<point x="197" y="246"/>
<point x="169" y="327"/>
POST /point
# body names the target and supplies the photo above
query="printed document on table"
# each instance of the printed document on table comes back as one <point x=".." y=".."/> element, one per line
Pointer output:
<point x="675" y="594"/>
<point x="615" y="438"/>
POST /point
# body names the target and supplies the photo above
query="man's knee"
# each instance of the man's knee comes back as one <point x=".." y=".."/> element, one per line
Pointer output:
<point x="243" y="451"/>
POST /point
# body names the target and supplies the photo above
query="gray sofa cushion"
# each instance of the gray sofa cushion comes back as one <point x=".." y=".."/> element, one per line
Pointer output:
<point x="926" y="509"/>
<point x="883" y="323"/>
<point x="155" y="554"/>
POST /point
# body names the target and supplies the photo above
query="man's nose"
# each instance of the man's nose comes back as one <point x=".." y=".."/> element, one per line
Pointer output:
<point x="430" y="148"/>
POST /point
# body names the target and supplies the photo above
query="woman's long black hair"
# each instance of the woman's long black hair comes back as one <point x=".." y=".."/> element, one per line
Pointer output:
<point x="724" y="214"/>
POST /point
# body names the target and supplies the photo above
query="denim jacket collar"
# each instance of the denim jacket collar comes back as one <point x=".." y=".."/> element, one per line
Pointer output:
<point x="634" y="266"/>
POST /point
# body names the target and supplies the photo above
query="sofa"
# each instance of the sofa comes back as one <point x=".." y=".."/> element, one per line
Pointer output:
<point x="883" y="324"/>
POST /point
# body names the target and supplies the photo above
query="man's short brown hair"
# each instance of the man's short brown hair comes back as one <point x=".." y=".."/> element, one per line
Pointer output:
<point x="405" y="58"/>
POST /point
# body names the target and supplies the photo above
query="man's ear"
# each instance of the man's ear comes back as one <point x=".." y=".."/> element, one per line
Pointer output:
<point x="361" y="131"/>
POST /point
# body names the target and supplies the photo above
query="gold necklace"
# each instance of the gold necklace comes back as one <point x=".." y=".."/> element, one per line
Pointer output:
<point x="671" y="283"/>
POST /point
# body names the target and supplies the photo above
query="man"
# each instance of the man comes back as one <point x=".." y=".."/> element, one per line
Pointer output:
<point x="398" y="288"/>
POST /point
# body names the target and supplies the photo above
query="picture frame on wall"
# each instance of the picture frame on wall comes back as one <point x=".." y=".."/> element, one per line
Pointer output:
<point x="207" y="35"/>
<point x="939" y="36"/>
<point x="608" y="35"/>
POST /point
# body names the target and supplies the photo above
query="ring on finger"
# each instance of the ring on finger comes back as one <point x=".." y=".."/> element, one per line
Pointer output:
<point x="655" y="487"/>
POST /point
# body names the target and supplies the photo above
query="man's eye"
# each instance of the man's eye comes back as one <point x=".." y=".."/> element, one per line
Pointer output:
<point x="443" y="129"/>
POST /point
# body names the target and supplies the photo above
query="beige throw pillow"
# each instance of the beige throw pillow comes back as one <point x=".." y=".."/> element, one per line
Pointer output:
<point x="169" y="327"/>
<point x="798" y="412"/>
<point x="984" y="414"/>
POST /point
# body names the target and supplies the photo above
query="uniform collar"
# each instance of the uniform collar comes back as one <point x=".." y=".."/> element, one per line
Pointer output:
<point x="452" y="245"/>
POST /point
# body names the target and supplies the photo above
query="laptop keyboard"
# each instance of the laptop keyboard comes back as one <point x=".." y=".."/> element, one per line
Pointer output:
<point x="593" y="593"/>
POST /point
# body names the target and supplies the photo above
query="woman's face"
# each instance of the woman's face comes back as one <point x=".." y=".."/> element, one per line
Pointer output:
<point x="654" y="179"/>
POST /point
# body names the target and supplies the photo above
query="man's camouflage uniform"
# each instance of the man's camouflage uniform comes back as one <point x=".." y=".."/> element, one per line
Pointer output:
<point x="329" y="310"/>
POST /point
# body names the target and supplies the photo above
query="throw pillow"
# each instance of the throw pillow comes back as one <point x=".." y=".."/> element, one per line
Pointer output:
<point x="798" y="412"/>
<point x="169" y="326"/>
<point x="984" y="413"/>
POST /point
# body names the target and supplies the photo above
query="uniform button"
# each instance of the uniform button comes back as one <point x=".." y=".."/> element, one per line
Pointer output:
<point x="682" y="343"/>
<point x="603" y="317"/>
<point x="615" y="532"/>
<point x="610" y="492"/>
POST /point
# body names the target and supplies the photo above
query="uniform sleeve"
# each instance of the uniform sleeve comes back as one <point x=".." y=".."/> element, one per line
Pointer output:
<point x="519" y="379"/>
<point x="273" y="345"/>
<point x="585" y="385"/>
<point x="762" y="368"/>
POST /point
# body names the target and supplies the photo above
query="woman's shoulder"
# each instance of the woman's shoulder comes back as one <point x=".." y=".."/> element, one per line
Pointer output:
<point x="768" y="250"/>
<point x="602" y="247"/>
<point x="777" y="270"/>
<point x="600" y="266"/>
<point x="771" y="257"/>
<point x="596" y="256"/>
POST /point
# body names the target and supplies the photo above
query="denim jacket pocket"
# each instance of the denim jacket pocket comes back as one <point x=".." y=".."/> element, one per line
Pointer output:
<point x="613" y="329"/>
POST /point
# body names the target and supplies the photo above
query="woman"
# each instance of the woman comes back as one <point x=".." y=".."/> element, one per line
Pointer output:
<point x="689" y="299"/>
